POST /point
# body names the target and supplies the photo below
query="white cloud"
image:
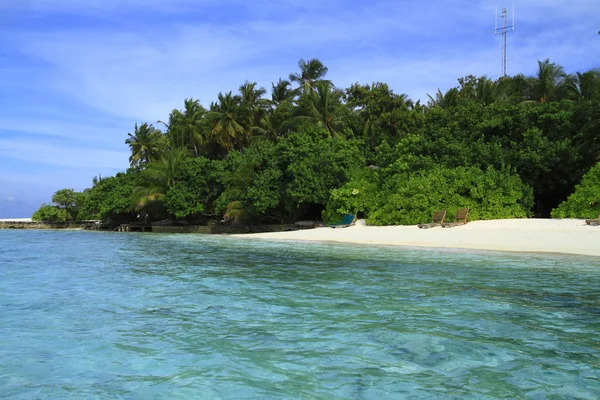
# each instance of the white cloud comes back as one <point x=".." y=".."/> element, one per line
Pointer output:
<point x="90" y="134"/>
<point x="54" y="155"/>
<point x="139" y="77"/>
<point x="143" y="74"/>
<point x="46" y="181"/>
<point x="101" y="6"/>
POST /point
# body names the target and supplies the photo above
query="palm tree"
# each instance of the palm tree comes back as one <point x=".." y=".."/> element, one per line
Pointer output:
<point x="515" y="89"/>
<point x="482" y="90"/>
<point x="96" y="180"/>
<point x="282" y="91"/>
<point x="187" y="128"/>
<point x="417" y="107"/>
<point x="145" y="144"/>
<point x="278" y="116"/>
<point x="369" y="103"/>
<point x="487" y="91"/>
<point x="254" y="103"/>
<point x="444" y="100"/>
<point x="158" y="178"/>
<point x="324" y="106"/>
<point x="550" y="83"/>
<point x="251" y="96"/>
<point x="230" y="120"/>
<point x="311" y="72"/>
<point x="237" y="183"/>
<point x="587" y="84"/>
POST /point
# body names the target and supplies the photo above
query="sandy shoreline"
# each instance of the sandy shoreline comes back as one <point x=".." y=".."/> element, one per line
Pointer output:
<point x="567" y="236"/>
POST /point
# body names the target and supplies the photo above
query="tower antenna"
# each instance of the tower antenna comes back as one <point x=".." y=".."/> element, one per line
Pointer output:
<point x="503" y="29"/>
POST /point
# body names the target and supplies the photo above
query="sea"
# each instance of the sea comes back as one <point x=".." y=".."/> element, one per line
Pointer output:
<point x="106" y="315"/>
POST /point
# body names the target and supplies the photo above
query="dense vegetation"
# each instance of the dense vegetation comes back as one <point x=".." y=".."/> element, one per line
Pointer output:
<point x="585" y="201"/>
<point x="513" y="147"/>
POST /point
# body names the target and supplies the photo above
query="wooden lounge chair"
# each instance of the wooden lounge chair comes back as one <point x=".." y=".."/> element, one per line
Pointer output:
<point x="595" y="221"/>
<point x="347" y="220"/>
<point x="436" y="220"/>
<point x="460" y="218"/>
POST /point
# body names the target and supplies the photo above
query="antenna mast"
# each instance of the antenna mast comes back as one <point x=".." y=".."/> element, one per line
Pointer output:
<point x="503" y="30"/>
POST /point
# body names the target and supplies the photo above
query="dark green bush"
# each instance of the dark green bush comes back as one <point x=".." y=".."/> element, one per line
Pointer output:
<point x="410" y="198"/>
<point x="50" y="213"/>
<point x="110" y="198"/>
<point x="197" y="181"/>
<point x="585" y="201"/>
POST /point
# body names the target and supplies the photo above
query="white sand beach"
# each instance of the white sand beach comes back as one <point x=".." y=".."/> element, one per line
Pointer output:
<point x="16" y="220"/>
<point x="568" y="236"/>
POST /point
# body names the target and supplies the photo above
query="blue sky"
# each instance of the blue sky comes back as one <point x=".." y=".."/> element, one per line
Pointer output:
<point x="75" y="76"/>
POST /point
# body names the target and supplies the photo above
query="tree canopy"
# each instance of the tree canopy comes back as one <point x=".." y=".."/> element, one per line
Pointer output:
<point x="513" y="147"/>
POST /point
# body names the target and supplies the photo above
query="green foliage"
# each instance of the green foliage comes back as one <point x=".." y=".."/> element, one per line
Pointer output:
<point x="538" y="141"/>
<point x="50" y="213"/>
<point x="156" y="181"/>
<point x="585" y="201"/>
<point x="357" y="195"/>
<point x="313" y="164"/>
<point x="380" y="115"/>
<point x="196" y="183"/>
<point x="188" y="128"/>
<point x="65" y="198"/>
<point x="182" y="202"/>
<point x="146" y="144"/>
<point x="401" y="198"/>
<point x="65" y="207"/>
<point x="70" y="201"/>
<point x="230" y="120"/>
<point x="311" y="73"/>
<point x="110" y="198"/>
<point x="282" y="180"/>
<point x="489" y="194"/>
<point x="252" y="183"/>
<point x="303" y="151"/>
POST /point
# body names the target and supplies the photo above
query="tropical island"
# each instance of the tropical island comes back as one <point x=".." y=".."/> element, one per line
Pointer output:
<point x="516" y="147"/>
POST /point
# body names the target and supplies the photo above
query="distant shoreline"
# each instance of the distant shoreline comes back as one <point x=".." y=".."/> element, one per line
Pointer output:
<point x="561" y="236"/>
<point x="28" y="224"/>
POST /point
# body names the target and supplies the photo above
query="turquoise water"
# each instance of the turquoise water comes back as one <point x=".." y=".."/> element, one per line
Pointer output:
<point x="147" y="316"/>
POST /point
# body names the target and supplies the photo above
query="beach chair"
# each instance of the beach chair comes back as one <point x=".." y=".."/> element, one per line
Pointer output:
<point x="595" y="221"/>
<point x="347" y="220"/>
<point x="460" y="218"/>
<point x="436" y="220"/>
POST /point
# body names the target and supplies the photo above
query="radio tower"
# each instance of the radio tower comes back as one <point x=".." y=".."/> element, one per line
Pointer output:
<point x="503" y="30"/>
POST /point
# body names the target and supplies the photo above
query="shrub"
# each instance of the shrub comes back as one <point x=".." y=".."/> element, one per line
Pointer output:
<point x="584" y="202"/>
<point x="50" y="213"/>
<point x="352" y="198"/>
<point x="196" y="183"/>
<point x="404" y="198"/>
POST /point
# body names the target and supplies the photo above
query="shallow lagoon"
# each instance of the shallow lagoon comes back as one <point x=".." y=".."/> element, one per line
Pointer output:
<point x="108" y="315"/>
